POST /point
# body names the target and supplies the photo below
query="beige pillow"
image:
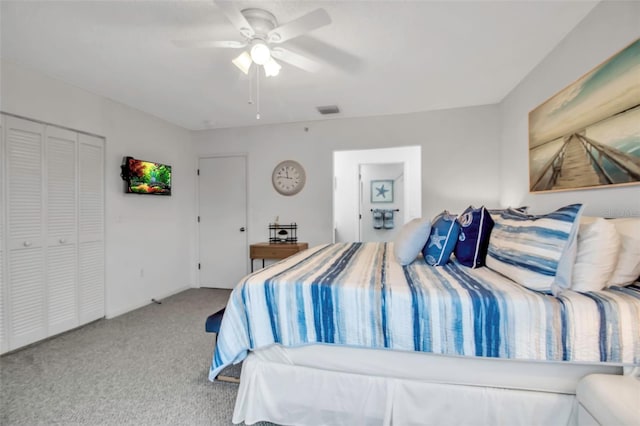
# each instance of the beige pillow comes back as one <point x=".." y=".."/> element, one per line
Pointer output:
<point x="597" y="255"/>
<point x="585" y="220"/>
<point x="627" y="269"/>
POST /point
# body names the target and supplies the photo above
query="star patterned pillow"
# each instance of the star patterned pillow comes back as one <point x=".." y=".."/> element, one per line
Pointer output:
<point x="442" y="239"/>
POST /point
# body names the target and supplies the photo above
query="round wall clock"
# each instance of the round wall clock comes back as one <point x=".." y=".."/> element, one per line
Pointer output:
<point x="288" y="177"/>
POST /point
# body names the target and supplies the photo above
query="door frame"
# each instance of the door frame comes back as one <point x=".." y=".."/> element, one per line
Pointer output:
<point x="346" y="191"/>
<point x="245" y="155"/>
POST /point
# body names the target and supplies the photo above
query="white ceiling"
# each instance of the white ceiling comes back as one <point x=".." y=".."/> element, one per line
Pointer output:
<point x="379" y="57"/>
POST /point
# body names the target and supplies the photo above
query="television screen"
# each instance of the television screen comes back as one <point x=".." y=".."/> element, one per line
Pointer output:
<point x="146" y="177"/>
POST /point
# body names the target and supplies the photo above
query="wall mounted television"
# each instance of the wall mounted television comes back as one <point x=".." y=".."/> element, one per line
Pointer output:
<point x="145" y="177"/>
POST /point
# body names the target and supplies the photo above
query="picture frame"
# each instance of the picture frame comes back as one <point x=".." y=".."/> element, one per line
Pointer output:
<point x="588" y="134"/>
<point x="382" y="191"/>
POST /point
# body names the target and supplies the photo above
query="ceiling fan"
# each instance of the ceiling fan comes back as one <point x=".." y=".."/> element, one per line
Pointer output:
<point x="262" y="36"/>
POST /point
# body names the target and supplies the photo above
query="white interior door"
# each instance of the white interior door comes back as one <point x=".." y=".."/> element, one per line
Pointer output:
<point x="61" y="259"/>
<point x="27" y="286"/>
<point x="91" y="274"/>
<point x="373" y="176"/>
<point x="4" y="345"/>
<point x="223" y="216"/>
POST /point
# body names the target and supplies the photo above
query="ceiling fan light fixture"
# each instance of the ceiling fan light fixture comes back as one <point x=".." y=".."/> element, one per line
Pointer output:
<point x="271" y="68"/>
<point x="260" y="53"/>
<point x="243" y="62"/>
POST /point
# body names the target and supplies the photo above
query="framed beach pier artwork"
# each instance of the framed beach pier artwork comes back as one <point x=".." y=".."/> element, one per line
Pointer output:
<point x="588" y="134"/>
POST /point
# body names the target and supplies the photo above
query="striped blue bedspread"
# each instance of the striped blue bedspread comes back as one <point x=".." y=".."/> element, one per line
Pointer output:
<point x="356" y="294"/>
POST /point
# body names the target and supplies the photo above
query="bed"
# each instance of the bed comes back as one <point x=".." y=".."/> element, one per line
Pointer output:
<point x="344" y="334"/>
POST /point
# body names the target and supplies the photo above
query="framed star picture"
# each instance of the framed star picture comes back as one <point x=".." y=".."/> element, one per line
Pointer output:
<point x="382" y="191"/>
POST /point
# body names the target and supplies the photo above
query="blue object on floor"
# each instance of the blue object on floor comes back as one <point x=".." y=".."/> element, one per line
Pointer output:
<point x="212" y="325"/>
<point x="213" y="322"/>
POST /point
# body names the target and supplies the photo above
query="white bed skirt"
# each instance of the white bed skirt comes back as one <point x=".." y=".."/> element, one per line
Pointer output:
<point x="275" y="387"/>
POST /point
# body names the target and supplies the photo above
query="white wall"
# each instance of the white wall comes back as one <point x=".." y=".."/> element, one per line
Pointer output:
<point x="609" y="27"/>
<point x="459" y="162"/>
<point x="149" y="249"/>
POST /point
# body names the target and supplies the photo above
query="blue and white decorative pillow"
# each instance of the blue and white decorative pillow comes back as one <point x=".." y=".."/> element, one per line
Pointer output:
<point x="442" y="239"/>
<point x="537" y="252"/>
<point x="495" y="213"/>
<point x="473" y="240"/>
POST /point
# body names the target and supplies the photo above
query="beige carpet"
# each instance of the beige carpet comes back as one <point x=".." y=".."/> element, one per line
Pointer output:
<point x="146" y="367"/>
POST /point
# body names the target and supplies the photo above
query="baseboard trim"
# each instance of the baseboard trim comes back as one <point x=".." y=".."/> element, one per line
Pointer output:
<point x="118" y="312"/>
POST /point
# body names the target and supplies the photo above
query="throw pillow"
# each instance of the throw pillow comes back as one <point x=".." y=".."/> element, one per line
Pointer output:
<point x="627" y="269"/>
<point x="497" y="212"/>
<point x="410" y="240"/>
<point x="598" y="248"/>
<point x="473" y="239"/>
<point x="442" y="239"/>
<point x="538" y="251"/>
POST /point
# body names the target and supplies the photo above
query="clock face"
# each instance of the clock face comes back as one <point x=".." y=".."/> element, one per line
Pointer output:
<point x="288" y="177"/>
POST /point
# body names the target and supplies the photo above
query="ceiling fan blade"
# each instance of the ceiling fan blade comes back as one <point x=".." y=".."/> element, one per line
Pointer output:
<point x="236" y="17"/>
<point x="210" y="43"/>
<point x="295" y="59"/>
<point x="309" y="22"/>
<point x="329" y="54"/>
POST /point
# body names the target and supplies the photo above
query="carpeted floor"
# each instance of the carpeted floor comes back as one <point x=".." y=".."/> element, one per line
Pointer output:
<point x="148" y="366"/>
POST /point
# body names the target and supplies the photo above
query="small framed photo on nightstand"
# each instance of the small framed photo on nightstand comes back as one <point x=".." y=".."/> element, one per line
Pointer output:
<point x="382" y="191"/>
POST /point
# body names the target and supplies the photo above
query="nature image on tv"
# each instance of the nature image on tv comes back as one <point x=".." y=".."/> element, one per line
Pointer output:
<point x="146" y="177"/>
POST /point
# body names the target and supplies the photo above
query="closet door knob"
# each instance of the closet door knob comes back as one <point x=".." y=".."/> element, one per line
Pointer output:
<point x="62" y="241"/>
<point x="27" y="243"/>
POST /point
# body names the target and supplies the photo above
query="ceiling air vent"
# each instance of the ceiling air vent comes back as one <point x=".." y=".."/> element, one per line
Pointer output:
<point x="329" y="109"/>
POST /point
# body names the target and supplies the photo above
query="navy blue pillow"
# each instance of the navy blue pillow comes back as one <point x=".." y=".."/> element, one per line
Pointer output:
<point x="473" y="240"/>
<point x="442" y="239"/>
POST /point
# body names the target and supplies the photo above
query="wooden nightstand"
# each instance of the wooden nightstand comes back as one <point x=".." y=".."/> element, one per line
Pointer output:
<point x="274" y="251"/>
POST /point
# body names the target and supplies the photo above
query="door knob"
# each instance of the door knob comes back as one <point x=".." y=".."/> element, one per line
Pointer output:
<point x="242" y="229"/>
<point x="27" y="244"/>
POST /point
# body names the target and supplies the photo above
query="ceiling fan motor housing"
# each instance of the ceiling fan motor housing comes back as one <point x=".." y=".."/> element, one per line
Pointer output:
<point x="261" y="21"/>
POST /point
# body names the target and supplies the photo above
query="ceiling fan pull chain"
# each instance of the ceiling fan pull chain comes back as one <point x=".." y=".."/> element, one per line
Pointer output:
<point x="250" y="101"/>
<point x="257" y="93"/>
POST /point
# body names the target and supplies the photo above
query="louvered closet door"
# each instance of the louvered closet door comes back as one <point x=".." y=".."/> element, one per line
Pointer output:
<point x="91" y="228"/>
<point x="26" y="307"/>
<point x="3" y="335"/>
<point x="62" y="245"/>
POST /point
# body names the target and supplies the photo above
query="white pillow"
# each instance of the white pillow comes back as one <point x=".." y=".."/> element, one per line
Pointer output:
<point x="597" y="256"/>
<point x="410" y="240"/>
<point x="628" y="268"/>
